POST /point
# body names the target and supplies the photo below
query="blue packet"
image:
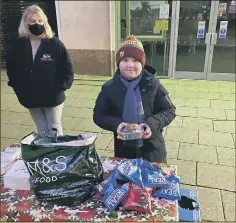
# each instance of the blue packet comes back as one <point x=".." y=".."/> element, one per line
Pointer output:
<point x="172" y="191"/>
<point x="148" y="165"/>
<point x="131" y="170"/>
<point x="119" y="176"/>
<point x="113" y="194"/>
<point x="154" y="178"/>
<point x="100" y="186"/>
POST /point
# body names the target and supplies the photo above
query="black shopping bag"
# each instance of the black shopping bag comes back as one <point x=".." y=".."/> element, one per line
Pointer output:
<point x="64" y="169"/>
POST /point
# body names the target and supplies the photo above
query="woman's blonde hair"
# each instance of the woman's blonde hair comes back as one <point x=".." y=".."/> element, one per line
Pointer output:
<point x="23" y="28"/>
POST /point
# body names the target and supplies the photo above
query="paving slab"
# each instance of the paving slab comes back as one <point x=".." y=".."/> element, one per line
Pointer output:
<point x="106" y="132"/>
<point x="220" y="90"/>
<point x="84" y="113"/>
<point x="197" y="89"/>
<point x="72" y="102"/>
<point x="69" y="111"/>
<point x="91" y="77"/>
<point x="186" y="112"/>
<point x="172" y="149"/>
<point x="72" y="132"/>
<point x="95" y="83"/>
<point x="5" y="142"/>
<point x="171" y="93"/>
<point x="205" y="95"/>
<point x="3" y="83"/>
<point x="177" y="122"/>
<point x="230" y="114"/>
<point x="210" y="203"/>
<point x="86" y="103"/>
<point x="227" y="84"/>
<point x="211" y="113"/>
<point x="103" y="141"/>
<point x="14" y="131"/>
<point x="71" y="93"/>
<point x="5" y="113"/>
<point x="6" y="103"/>
<point x="169" y="81"/>
<point x="216" y="176"/>
<point x="97" y="89"/>
<point x="186" y="170"/>
<point x="197" y="123"/>
<point x="83" y="87"/>
<point x="233" y="90"/>
<point x="29" y="122"/>
<point x="200" y="153"/>
<point x="70" y="123"/>
<point x="228" y="97"/>
<point x="176" y="88"/>
<point x="87" y="125"/>
<point x="182" y="135"/>
<point x="9" y="97"/>
<point x="186" y="94"/>
<point x="222" y="104"/>
<point x="16" y="118"/>
<point x="226" y="156"/>
<point x="228" y="199"/>
<point x="224" y="126"/>
<point x="105" y="153"/>
<point x="178" y="101"/>
<point x="233" y="136"/>
<point x="219" y="139"/>
<point x="7" y="90"/>
<point x="87" y="94"/>
<point x="209" y="84"/>
<point x="202" y="103"/>
<point x="110" y="146"/>
<point x="187" y="82"/>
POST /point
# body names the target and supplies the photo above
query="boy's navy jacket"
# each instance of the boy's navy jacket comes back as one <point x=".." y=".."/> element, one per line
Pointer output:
<point x="40" y="82"/>
<point x="158" y="109"/>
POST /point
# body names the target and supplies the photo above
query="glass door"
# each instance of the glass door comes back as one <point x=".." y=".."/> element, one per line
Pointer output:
<point x="151" y="22"/>
<point x="205" y="40"/>
<point x="194" y="22"/>
<point x="222" y="57"/>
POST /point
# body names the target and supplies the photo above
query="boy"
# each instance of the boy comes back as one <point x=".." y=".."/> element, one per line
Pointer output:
<point x="135" y="98"/>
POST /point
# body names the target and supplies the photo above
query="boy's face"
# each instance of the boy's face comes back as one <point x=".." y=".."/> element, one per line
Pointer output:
<point x="130" y="68"/>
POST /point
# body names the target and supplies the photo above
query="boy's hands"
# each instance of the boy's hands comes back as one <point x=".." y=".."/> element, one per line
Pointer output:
<point x="132" y="127"/>
<point x="147" y="131"/>
<point x="119" y="129"/>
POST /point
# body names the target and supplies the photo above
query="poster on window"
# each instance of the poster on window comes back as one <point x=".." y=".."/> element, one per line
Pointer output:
<point x="222" y="9"/>
<point x="164" y="11"/>
<point x="201" y="29"/>
<point x="223" y="29"/>
<point x="143" y="15"/>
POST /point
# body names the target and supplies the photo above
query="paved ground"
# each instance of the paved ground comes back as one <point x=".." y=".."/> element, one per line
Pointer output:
<point x="201" y="140"/>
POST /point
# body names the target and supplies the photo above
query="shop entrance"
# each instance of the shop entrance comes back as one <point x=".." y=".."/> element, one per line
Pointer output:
<point x="206" y="40"/>
<point x="183" y="39"/>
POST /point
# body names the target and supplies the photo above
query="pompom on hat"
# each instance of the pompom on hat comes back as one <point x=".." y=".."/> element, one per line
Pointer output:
<point x="131" y="47"/>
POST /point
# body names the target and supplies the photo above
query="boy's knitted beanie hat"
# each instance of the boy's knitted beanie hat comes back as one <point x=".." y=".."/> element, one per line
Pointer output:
<point x="131" y="47"/>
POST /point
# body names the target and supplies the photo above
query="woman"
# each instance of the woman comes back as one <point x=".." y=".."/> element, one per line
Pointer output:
<point x="39" y="69"/>
<point x="135" y="98"/>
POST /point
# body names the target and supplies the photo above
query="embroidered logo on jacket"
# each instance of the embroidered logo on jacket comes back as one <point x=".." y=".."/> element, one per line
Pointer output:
<point x="46" y="57"/>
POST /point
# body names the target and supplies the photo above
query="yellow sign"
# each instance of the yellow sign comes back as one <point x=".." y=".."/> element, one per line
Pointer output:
<point x="161" y="25"/>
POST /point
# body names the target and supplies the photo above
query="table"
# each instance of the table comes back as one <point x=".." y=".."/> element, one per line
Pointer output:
<point x="21" y="205"/>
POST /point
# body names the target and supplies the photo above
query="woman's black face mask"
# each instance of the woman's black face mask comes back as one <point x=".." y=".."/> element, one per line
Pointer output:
<point x="36" y="29"/>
